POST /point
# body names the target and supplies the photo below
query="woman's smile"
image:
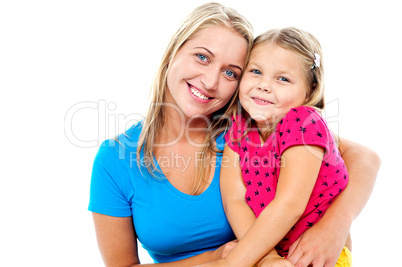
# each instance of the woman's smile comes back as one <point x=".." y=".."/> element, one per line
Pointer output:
<point x="205" y="72"/>
<point x="198" y="94"/>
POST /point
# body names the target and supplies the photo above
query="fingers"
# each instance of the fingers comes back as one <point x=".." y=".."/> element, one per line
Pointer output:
<point x="303" y="261"/>
<point x="293" y="247"/>
<point x="295" y="252"/>
<point x="307" y="261"/>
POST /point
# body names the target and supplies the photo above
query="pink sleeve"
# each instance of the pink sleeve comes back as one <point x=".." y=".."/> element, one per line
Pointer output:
<point x="303" y="126"/>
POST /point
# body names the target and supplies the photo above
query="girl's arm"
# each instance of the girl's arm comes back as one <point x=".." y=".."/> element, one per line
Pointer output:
<point x="117" y="243"/>
<point x="323" y="243"/>
<point x="299" y="171"/>
<point x="233" y="190"/>
<point x="239" y="214"/>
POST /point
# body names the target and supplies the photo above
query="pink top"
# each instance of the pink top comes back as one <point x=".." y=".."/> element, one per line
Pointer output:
<point x="260" y="165"/>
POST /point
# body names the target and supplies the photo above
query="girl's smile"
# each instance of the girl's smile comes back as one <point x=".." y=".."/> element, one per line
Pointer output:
<point x="261" y="101"/>
<point x="272" y="84"/>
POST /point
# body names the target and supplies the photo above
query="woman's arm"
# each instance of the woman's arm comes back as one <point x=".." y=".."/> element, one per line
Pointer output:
<point x="297" y="178"/>
<point x="116" y="240"/>
<point x="233" y="190"/>
<point x="323" y="243"/>
<point x="118" y="245"/>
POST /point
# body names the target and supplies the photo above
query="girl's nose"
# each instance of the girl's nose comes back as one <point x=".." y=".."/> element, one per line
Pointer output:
<point x="264" y="87"/>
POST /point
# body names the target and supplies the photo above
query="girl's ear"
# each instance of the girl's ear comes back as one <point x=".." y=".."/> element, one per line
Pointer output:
<point x="313" y="86"/>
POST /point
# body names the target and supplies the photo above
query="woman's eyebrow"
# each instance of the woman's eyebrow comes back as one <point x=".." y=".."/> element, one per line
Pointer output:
<point x="235" y="66"/>
<point x="209" y="51"/>
<point x="213" y="55"/>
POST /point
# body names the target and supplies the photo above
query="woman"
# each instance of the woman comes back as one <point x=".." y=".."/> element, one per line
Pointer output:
<point x="159" y="182"/>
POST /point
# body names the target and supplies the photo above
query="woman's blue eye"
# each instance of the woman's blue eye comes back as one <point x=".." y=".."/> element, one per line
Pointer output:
<point x="202" y="57"/>
<point x="283" y="79"/>
<point x="256" y="72"/>
<point x="230" y="73"/>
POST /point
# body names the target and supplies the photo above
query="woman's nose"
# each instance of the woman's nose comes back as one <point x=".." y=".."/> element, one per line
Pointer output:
<point x="210" y="79"/>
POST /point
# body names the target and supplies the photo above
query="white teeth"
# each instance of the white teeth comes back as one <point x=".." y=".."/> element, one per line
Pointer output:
<point x="198" y="94"/>
<point x="261" y="100"/>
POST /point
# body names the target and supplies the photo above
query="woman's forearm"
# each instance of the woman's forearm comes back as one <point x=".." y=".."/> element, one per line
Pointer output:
<point x="324" y="241"/>
<point x="363" y="165"/>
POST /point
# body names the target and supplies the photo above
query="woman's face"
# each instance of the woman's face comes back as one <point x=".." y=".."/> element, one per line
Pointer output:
<point x="205" y="72"/>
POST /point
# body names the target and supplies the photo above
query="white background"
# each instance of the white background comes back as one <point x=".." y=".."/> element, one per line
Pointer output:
<point x="57" y="57"/>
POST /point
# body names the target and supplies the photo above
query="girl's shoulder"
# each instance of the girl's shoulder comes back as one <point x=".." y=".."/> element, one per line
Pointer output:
<point x="303" y="126"/>
<point x="302" y="112"/>
<point x="301" y="117"/>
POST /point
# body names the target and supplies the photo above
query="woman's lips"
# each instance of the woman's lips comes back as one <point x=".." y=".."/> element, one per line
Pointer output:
<point x="198" y="94"/>
<point x="261" y="101"/>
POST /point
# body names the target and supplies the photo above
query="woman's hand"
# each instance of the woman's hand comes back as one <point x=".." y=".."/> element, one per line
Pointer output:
<point x="318" y="246"/>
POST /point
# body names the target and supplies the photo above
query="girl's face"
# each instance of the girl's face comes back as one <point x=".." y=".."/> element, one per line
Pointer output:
<point x="205" y="72"/>
<point x="272" y="84"/>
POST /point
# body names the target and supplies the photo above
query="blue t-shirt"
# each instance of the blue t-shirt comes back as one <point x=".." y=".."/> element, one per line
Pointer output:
<point x="170" y="225"/>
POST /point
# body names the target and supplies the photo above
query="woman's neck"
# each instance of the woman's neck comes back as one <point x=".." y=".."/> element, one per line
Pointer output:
<point x="181" y="129"/>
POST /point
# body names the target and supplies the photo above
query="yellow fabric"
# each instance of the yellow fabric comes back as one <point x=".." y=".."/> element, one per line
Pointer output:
<point x="345" y="259"/>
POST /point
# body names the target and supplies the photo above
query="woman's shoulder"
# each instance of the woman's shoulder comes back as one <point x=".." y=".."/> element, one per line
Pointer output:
<point x="122" y="144"/>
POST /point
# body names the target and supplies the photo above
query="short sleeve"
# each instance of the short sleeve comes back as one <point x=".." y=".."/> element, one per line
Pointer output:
<point x="106" y="191"/>
<point x="234" y="134"/>
<point x="303" y="126"/>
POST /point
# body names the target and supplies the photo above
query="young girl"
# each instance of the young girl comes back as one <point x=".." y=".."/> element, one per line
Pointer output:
<point x="290" y="165"/>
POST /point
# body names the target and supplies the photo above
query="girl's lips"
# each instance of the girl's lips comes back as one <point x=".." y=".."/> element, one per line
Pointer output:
<point x="261" y="101"/>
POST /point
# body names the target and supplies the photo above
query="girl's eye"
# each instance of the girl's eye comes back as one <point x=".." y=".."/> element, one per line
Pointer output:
<point x="202" y="57"/>
<point x="256" y="72"/>
<point x="283" y="79"/>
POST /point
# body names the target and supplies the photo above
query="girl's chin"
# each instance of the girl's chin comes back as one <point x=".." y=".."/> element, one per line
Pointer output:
<point x="259" y="118"/>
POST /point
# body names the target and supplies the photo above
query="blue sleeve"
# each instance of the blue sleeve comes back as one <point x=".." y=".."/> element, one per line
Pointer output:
<point x="107" y="190"/>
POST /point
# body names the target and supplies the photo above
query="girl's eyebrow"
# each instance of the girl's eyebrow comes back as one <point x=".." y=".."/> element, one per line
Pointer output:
<point x="254" y="65"/>
<point x="213" y="55"/>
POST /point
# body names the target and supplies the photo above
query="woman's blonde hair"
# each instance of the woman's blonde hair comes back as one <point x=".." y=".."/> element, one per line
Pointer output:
<point x="211" y="14"/>
<point x="306" y="46"/>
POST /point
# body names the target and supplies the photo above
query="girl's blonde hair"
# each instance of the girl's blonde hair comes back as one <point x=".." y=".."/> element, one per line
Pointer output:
<point x="204" y="16"/>
<point x="306" y="46"/>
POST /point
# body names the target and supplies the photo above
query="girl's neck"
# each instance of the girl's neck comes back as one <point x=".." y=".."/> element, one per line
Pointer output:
<point x="265" y="130"/>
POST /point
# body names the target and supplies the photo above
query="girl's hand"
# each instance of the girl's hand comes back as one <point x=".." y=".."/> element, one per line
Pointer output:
<point x="274" y="261"/>
<point x="223" y="250"/>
